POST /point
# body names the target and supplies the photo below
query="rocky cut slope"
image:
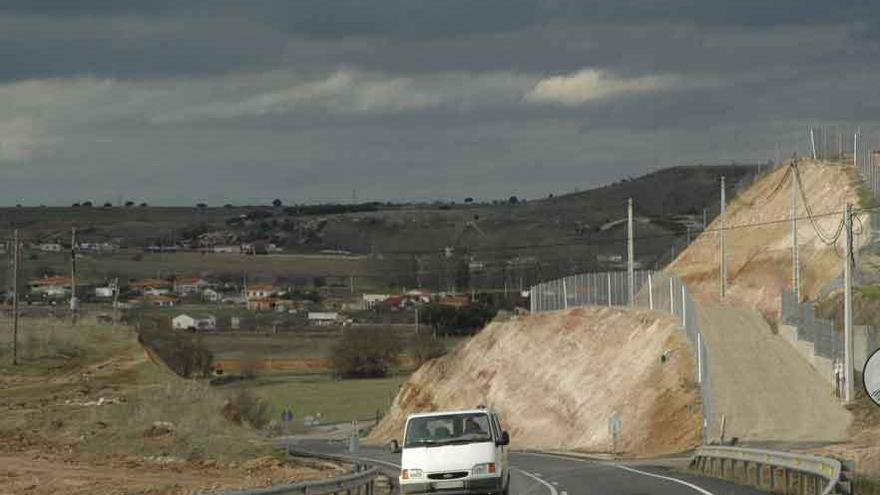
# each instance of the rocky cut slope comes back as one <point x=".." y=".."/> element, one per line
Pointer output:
<point x="557" y="378"/>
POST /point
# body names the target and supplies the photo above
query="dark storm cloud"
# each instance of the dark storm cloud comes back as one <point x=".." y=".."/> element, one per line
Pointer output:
<point x="306" y="100"/>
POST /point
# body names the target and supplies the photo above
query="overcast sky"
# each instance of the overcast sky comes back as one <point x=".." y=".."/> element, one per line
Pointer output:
<point x="183" y="101"/>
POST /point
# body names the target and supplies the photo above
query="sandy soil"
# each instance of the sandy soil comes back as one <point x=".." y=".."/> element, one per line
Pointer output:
<point x="557" y="378"/>
<point x="36" y="472"/>
<point x="759" y="258"/>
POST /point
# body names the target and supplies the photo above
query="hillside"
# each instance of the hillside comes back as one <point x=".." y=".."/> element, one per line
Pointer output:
<point x="513" y="242"/>
<point x="557" y="379"/>
<point x="88" y="411"/>
<point x="759" y="258"/>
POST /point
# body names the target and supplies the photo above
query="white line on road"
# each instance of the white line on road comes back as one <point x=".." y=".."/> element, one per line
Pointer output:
<point x="667" y="478"/>
<point x="539" y="480"/>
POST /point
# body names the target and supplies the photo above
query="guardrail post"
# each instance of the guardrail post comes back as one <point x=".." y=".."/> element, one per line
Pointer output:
<point x="757" y="475"/>
<point x="772" y="477"/>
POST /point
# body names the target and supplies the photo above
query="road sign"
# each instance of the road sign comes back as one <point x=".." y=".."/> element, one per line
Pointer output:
<point x="287" y="416"/>
<point x="872" y="377"/>
<point x="614" y="429"/>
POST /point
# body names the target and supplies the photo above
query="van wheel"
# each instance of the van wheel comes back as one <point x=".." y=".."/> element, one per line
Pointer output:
<point x="506" y="490"/>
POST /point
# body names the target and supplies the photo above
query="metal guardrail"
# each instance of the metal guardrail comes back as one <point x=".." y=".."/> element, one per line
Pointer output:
<point x="801" y="474"/>
<point x="361" y="482"/>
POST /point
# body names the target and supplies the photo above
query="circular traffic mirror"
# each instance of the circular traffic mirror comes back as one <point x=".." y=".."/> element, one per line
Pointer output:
<point x="872" y="377"/>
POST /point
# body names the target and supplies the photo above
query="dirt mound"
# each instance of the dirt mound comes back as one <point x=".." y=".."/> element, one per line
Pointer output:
<point x="759" y="258"/>
<point x="557" y="378"/>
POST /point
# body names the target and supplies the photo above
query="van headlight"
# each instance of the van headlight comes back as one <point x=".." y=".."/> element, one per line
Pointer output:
<point x="411" y="474"/>
<point x="481" y="469"/>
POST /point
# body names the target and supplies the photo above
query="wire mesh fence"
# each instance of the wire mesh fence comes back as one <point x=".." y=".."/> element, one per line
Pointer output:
<point x="653" y="290"/>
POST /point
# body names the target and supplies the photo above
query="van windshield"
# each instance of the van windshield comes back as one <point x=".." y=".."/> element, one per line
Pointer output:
<point x="448" y="429"/>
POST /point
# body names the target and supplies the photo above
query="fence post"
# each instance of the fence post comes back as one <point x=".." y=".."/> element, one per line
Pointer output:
<point x="650" y="291"/>
<point x="564" y="294"/>
<point x="683" y="306"/>
<point x="671" y="297"/>
<point x="609" y="289"/>
<point x="699" y="357"/>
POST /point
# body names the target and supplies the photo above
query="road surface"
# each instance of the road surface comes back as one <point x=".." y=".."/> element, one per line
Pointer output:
<point x="546" y="474"/>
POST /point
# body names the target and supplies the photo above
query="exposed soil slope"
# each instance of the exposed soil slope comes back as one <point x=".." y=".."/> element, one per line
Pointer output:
<point x="759" y="258"/>
<point x="556" y="379"/>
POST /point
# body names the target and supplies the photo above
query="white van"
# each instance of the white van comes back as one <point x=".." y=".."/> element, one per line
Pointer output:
<point x="454" y="452"/>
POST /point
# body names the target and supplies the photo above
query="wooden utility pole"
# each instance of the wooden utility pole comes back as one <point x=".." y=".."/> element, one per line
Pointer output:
<point x="630" y="253"/>
<point x="16" y="259"/>
<point x="795" y="262"/>
<point x="849" y="390"/>
<point x="723" y="274"/>
<point x="116" y="300"/>
<point x="74" y="303"/>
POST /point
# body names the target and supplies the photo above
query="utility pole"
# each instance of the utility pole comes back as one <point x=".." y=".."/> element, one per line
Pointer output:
<point x="704" y="219"/>
<point x="847" y="309"/>
<point x="856" y="148"/>
<point x="630" y="253"/>
<point x="74" y="303"/>
<point x="115" y="300"/>
<point x="795" y="261"/>
<point x="723" y="246"/>
<point x="16" y="259"/>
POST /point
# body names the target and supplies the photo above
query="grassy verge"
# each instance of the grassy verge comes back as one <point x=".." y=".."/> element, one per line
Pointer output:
<point x="91" y="388"/>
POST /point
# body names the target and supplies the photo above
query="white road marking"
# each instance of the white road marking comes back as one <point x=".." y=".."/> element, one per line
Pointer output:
<point x="554" y="483"/>
<point x="667" y="478"/>
<point x="539" y="480"/>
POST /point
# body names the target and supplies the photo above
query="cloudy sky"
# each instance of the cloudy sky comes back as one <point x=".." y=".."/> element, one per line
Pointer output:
<point x="182" y="101"/>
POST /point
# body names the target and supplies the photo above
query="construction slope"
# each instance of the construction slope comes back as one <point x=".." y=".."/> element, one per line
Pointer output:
<point x="766" y="390"/>
<point x="759" y="256"/>
<point x="557" y="378"/>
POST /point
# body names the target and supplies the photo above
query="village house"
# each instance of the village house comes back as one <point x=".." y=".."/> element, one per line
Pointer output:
<point x="227" y="248"/>
<point x="187" y="322"/>
<point x="261" y="291"/>
<point x="262" y="303"/>
<point x="190" y="286"/>
<point x="50" y="247"/>
<point x="456" y="302"/>
<point x="105" y="292"/>
<point x="323" y="318"/>
<point x="212" y="295"/>
<point x="369" y="301"/>
<point x="51" y="286"/>
<point x="151" y="287"/>
<point x="156" y="301"/>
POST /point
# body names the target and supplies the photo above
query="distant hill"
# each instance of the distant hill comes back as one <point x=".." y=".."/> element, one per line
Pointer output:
<point x="485" y="245"/>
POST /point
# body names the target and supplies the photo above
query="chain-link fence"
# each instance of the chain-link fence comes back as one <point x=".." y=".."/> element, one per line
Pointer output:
<point x="653" y="290"/>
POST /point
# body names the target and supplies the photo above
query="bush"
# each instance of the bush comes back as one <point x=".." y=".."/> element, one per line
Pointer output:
<point x="251" y="409"/>
<point x="366" y="353"/>
<point x="184" y="354"/>
<point x="424" y="348"/>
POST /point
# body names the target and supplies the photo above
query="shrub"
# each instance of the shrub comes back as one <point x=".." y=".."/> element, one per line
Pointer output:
<point x="424" y="348"/>
<point x="249" y="408"/>
<point x="184" y="354"/>
<point x="366" y="353"/>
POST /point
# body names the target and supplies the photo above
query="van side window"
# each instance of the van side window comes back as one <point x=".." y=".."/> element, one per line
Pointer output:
<point x="496" y="432"/>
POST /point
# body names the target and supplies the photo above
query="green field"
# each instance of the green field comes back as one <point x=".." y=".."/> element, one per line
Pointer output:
<point x="336" y="400"/>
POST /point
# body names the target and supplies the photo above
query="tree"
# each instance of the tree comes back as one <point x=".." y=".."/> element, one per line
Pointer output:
<point x="366" y="352"/>
<point x="87" y="204"/>
<point x="468" y="200"/>
<point x="423" y="348"/>
<point x="143" y="205"/>
<point x="201" y="205"/>
<point x="75" y="205"/>
<point x="276" y="203"/>
<point x="108" y="205"/>
<point x="513" y="200"/>
<point x="129" y="204"/>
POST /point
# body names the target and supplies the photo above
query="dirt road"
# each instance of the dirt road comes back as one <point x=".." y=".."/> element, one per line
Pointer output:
<point x="791" y="403"/>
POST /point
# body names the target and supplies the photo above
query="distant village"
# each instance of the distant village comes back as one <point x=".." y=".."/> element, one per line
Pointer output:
<point x="190" y="301"/>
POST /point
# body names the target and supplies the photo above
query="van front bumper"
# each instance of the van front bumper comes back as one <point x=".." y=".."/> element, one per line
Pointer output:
<point x="470" y="486"/>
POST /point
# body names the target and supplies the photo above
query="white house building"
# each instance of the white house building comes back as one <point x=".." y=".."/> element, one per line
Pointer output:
<point x="187" y="322"/>
<point x="323" y="318"/>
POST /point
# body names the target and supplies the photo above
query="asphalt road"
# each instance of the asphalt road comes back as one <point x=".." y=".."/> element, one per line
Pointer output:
<point x="544" y="474"/>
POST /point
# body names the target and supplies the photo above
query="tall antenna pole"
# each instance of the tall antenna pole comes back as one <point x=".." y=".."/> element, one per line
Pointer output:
<point x="16" y="259"/>
<point x="723" y="283"/>
<point x="847" y="309"/>
<point x="630" y="253"/>
<point x="813" y="143"/>
<point x="74" y="303"/>
<point x="795" y="262"/>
